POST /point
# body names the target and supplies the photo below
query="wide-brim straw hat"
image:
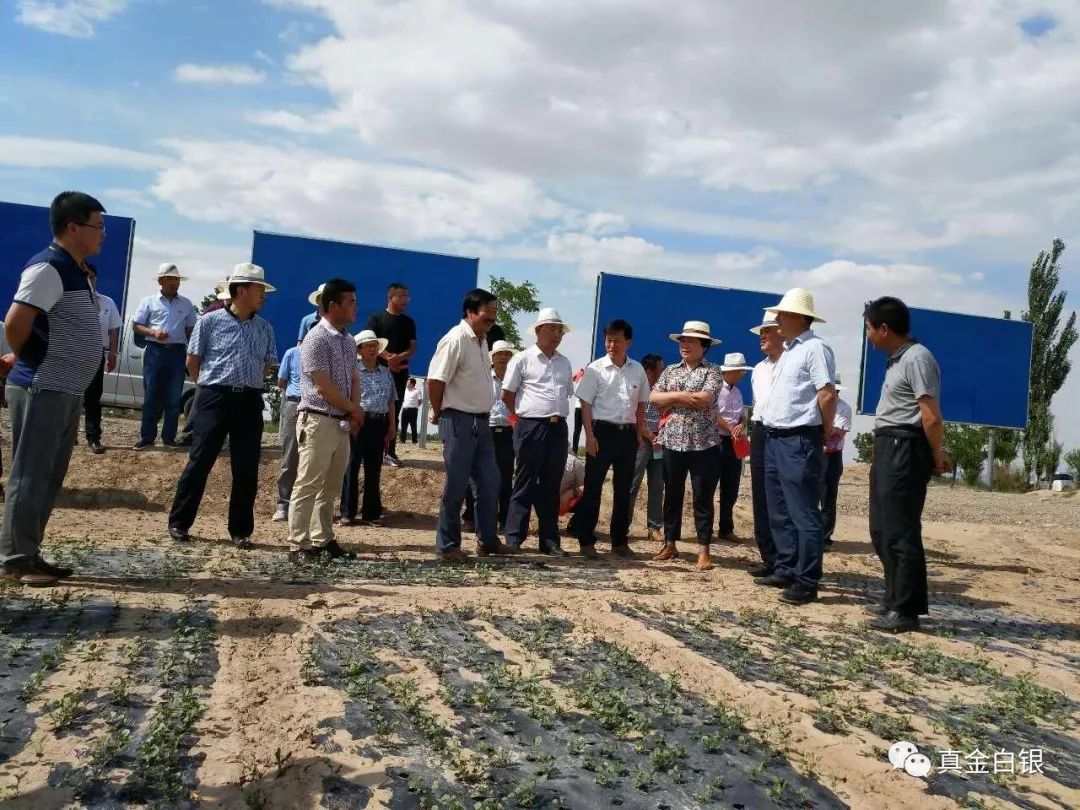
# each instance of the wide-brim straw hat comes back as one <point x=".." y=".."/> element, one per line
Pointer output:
<point x="168" y="270"/>
<point x="798" y="302"/>
<point x="767" y="322"/>
<point x="695" y="329"/>
<point x="735" y="361"/>
<point x="501" y="346"/>
<point x="367" y="336"/>
<point x="248" y="273"/>
<point x="313" y="296"/>
<point x="549" y="315"/>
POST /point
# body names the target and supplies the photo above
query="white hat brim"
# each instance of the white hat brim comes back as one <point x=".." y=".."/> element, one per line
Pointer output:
<point x="804" y="312"/>
<point x="677" y="336"/>
<point x="735" y="368"/>
<point x="383" y="343"/>
<point x="511" y="352"/>
<point x="268" y="287"/>
<point x="313" y="298"/>
<point x="565" y="326"/>
<point x="172" y="275"/>
<point x="757" y="330"/>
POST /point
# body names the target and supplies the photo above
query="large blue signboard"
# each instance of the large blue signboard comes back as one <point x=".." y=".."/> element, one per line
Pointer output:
<point x="26" y="232"/>
<point x="297" y="265"/>
<point x="656" y="309"/>
<point x="985" y="367"/>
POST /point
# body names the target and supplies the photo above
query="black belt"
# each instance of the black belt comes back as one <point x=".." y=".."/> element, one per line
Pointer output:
<point x="551" y="419"/>
<point x="900" y="432"/>
<point x="485" y="415"/>
<point x="292" y="399"/>
<point x="327" y="414"/>
<point x="500" y="428"/>
<point x="614" y="425"/>
<point x="803" y="430"/>
<point x="378" y="417"/>
<point x="233" y="389"/>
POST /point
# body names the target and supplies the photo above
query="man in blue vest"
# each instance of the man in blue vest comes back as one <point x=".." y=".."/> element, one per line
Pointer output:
<point x="54" y="332"/>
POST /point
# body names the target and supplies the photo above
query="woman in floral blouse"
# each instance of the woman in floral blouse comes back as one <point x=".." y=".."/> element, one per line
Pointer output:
<point x="686" y="394"/>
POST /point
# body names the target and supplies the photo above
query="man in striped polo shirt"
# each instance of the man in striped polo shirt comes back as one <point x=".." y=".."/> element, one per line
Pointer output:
<point x="54" y="332"/>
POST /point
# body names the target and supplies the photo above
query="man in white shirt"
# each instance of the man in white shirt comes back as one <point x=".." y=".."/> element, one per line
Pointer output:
<point x="613" y="393"/>
<point x="772" y="346"/>
<point x="461" y="396"/>
<point x="163" y="323"/>
<point x="798" y="417"/>
<point x="834" y="464"/>
<point x="410" y="408"/>
<point x="537" y="389"/>
<point x="110" y="337"/>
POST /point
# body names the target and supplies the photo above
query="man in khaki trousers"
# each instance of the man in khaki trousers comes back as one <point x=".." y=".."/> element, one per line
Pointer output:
<point x="328" y="412"/>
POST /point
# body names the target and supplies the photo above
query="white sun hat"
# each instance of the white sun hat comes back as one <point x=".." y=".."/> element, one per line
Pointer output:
<point x="735" y="361"/>
<point x="799" y="302"/>
<point x="248" y="273"/>
<point x="223" y="295"/>
<point x="549" y="315"/>
<point x="168" y="270"/>
<point x="767" y="322"/>
<point x="501" y="346"/>
<point x="367" y="336"/>
<point x="695" y="329"/>
<point x="313" y="296"/>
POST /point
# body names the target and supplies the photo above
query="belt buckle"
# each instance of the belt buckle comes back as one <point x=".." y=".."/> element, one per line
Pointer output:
<point x="553" y="419"/>
<point x="237" y="389"/>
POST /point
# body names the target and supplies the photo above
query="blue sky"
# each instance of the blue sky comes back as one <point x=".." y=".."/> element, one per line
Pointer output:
<point x="925" y="149"/>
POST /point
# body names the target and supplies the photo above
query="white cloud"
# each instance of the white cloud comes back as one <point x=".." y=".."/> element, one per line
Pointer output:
<point x="204" y="264"/>
<point x="305" y="191"/>
<point x="75" y="18"/>
<point x="45" y="153"/>
<point x="115" y="198"/>
<point x="218" y="74"/>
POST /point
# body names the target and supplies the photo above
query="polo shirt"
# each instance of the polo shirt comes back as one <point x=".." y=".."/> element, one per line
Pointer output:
<point x="541" y="384"/>
<point x="109" y="316"/>
<point x="910" y="374"/>
<point x="232" y="351"/>
<point x="63" y="350"/>
<point x="461" y="362"/>
<point x="613" y="392"/>
<point x="326" y="349"/>
<point x="805" y="367"/>
<point x="760" y="385"/>
<point x="175" y="317"/>
<point x="289" y="372"/>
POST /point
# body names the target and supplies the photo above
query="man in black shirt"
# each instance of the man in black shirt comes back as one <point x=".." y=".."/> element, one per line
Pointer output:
<point x="400" y="332"/>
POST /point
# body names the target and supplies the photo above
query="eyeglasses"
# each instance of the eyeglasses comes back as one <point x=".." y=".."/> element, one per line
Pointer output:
<point x="90" y="225"/>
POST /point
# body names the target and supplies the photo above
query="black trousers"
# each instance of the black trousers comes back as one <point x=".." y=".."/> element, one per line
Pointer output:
<point x="408" y="420"/>
<point x="703" y="466"/>
<point x="762" y="529"/>
<point x="401" y="379"/>
<point x="577" y="430"/>
<point x="834" y="468"/>
<point x="903" y="464"/>
<point x="617" y="450"/>
<point x="217" y="415"/>
<point x="541" y="458"/>
<point x="503" y="439"/>
<point x="730" y="476"/>
<point x="92" y="406"/>
<point x="365" y="448"/>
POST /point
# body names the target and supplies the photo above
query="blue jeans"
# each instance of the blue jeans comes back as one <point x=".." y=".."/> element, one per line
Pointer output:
<point x="163" y="383"/>
<point x="469" y="456"/>
<point x="793" y="471"/>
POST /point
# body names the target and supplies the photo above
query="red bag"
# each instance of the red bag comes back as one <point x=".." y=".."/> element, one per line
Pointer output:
<point x="741" y="445"/>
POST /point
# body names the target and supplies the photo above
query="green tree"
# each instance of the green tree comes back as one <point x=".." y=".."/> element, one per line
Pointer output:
<point x="1072" y="461"/>
<point x="864" y="445"/>
<point x="207" y="300"/>
<point x="513" y="298"/>
<point x="1050" y="364"/>
<point x="966" y="446"/>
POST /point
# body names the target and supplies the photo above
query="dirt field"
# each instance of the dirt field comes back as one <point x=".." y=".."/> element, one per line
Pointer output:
<point x="202" y="675"/>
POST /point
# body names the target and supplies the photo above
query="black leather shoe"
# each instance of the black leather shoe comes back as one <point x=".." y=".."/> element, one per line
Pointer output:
<point x="555" y="551"/>
<point x="242" y="542"/>
<point x="142" y="444"/>
<point x="336" y="552"/>
<point x="179" y="535"/>
<point x="774" y="581"/>
<point x="876" y="609"/>
<point x="759" y="571"/>
<point x="58" y="571"/>
<point x="169" y="442"/>
<point x="97" y="448"/>
<point x="893" y="622"/>
<point x="798" y="595"/>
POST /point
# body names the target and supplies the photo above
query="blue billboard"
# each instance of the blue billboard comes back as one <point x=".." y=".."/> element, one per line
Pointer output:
<point x="657" y="309"/>
<point x="985" y="367"/>
<point x="296" y="265"/>
<point x="26" y="232"/>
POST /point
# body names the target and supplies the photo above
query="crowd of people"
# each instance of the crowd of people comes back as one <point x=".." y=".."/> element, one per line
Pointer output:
<point x="501" y="415"/>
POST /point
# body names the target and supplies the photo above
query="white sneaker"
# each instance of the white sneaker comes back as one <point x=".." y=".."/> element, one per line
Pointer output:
<point x="393" y="462"/>
<point x="282" y="514"/>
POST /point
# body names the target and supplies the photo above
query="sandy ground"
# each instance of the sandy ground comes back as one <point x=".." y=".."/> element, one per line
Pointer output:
<point x="1005" y="591"/>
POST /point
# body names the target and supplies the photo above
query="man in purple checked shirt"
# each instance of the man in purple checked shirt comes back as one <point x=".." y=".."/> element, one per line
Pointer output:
<point x="729" y="420"/>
